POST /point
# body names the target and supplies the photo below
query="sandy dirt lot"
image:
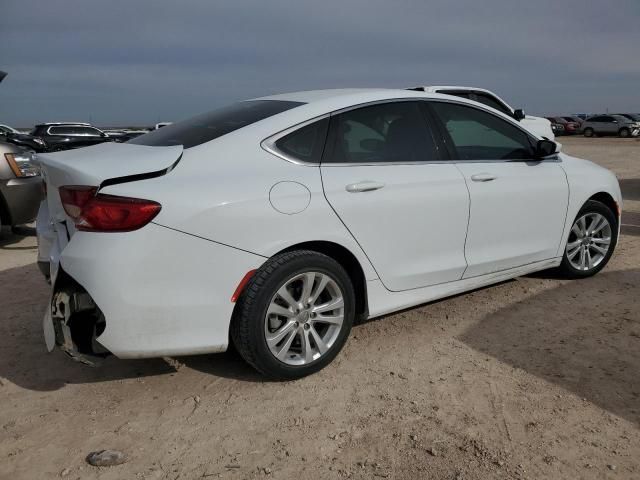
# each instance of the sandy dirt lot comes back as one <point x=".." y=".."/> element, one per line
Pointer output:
<point x="532" y="378"/>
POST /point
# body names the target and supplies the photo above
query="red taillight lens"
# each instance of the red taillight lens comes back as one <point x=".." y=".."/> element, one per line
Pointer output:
<point x="106" y="213"/>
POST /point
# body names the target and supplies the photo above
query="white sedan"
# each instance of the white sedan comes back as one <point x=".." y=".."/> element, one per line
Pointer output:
<point x="274" y="223"/>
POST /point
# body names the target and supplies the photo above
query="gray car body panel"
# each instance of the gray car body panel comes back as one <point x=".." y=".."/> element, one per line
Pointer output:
<point x="19" y="197"/>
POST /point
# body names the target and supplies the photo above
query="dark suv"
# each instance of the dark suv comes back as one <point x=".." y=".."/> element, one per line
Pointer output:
<point x="65" y="136"/>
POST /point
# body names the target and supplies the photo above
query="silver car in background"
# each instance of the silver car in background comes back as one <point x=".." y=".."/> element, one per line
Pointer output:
<point x="20" y="185"/>
<point x="611" y="125"/>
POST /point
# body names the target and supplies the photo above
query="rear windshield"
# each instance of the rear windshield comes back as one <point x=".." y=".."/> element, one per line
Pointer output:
<point x="211" y="125"/>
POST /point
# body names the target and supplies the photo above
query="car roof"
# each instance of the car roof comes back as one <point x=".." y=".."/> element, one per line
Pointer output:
<point x="330" y="100"/>
<point x="317" y="103"/>
<point x="46" y="124"/>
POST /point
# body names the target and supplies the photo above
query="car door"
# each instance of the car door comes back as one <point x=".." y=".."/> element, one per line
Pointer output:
<point x="604" y="124"/>
<point x="384" y="176"/>
<point x="518" y="204"/>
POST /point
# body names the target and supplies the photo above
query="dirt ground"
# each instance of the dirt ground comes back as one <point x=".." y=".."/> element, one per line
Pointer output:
<point x="533" y="378"/>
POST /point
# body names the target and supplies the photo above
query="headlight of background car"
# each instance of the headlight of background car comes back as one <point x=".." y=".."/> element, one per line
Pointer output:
<point x="39" y="141"/>
<point x="22" y="165"/>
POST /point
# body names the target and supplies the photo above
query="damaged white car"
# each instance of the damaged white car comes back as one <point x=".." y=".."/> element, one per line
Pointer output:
<point x="275" y="223"/>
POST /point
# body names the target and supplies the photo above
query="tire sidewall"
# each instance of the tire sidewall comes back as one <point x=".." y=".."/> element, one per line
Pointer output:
<point x="592" y="206"/>
<point x="256" y="311"/>
<point x="624" y="133"/>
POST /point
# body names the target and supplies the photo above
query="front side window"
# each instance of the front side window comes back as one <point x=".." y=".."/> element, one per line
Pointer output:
<point x="480" y="135"/>
<point x="387" y="132"/>
<point x="87" y="131"/>
<point x="212" y="125"/>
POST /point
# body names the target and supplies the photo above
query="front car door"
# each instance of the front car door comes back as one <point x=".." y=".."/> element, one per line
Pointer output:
<point x="518" y="204"/>
<point x="385" y="177"/>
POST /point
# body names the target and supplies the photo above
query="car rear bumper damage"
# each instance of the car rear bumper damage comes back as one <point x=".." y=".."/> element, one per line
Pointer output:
<point x="128" y="294"/>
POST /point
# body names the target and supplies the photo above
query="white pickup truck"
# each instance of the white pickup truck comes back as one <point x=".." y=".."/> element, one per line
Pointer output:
<point x="536" y="125"/>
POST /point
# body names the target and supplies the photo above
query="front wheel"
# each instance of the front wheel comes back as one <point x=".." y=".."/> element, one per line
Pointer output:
<point x="591" y="241"/>
<point x="295" y="315"/>
<point x="588" y="132"/>
<point x="624" y="133"/>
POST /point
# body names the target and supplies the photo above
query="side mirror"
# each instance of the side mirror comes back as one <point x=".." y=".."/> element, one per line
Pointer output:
<point x="518" y="114"/>
<point x="545" y="148"/>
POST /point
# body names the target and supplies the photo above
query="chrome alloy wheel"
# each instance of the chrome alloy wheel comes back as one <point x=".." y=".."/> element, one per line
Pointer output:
<point x="589" y="241"/>
<point x="304" y="318"/>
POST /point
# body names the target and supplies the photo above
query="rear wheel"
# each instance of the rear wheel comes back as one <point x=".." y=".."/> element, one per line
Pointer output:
<point x="295" y="315"/>
<point x="624" y="133"/>
<point x="588" y="132"/>
<point x="591" y="241"/>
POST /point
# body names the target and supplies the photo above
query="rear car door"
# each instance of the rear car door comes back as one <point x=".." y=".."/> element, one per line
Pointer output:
<point x="518" y="204"/>
<point x="385" y="177"/>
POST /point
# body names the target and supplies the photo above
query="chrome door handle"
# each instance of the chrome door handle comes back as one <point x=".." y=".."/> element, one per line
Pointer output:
<point x="366" y="186"/>
<point x="483" y="177"/>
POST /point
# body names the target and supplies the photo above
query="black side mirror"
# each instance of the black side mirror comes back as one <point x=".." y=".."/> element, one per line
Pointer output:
<point x="518" y="114"/>
<point x="545" y="148"/>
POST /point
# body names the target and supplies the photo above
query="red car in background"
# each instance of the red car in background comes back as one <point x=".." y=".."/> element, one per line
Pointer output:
<point x="570" y="127"/>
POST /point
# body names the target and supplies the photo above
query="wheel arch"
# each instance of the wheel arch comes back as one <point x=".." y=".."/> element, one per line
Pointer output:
<point x="607" y="199"/>
<point x="349" y="262"/>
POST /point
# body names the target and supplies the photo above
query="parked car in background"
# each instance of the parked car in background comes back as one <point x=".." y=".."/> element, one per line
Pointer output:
<point x="570" y="127"/>
<point x="23" y="140"/>
<point x="67" y="135"/>
<point x="288" y="217"/>
<point x="537" y="125"/>
<point x="577" y="120"/>
<point x="124" y="135"/>
<point x="631" y="116"/>
<point x="611" y="125"/>
<point x="557" y="128"/>
<point x="20" y="185"/>
<point x="7" y="129"/>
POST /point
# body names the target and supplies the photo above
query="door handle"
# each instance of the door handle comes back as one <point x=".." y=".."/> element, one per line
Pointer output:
<point x="483" y="177"/>
<point x="366" y="186"/>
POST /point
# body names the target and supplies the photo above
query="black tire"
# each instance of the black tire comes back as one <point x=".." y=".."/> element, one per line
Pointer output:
<point x="566" y="269"/>
<point x="588" y="132"/>
<point x="624" y="133"/>
<point x="248" y="322"/>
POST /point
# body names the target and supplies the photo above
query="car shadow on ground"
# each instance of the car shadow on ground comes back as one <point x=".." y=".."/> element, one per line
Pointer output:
<point x="630" y="188"/>
<point x="582" y="335"/>
<point x="10" y="236"/>
<point x="24" y="360"/>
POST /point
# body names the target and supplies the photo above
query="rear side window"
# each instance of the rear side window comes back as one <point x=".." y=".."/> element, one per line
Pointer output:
<point x="307" y="143"/>
<point x="388" y="132"/>
<point x="212" y="125"/>
<point x="479" y="135"/>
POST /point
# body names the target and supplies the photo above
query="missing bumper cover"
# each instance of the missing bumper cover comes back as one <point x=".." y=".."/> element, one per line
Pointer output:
<point x="77" y="322"/>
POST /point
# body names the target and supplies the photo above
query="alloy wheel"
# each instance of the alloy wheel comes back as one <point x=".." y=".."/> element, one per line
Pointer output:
<point x="304" y="318"/>
<point x="589" y="241"/>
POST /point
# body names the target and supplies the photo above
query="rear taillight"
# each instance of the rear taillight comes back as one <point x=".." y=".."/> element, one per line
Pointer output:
<point x="93" y="212"/>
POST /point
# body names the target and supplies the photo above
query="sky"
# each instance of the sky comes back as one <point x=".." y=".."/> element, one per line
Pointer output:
<point x="133" y="62"/>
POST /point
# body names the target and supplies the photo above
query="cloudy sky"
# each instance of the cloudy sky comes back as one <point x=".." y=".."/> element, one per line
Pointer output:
<point x="114" y="61"/>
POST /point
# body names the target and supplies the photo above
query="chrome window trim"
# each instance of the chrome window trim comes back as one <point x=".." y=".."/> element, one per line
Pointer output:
<point x="72" y="134"/>
<point x="269" y="143"/>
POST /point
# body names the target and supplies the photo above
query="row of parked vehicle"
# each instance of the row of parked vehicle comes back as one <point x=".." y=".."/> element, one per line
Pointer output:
<point x="621" y="124"/>
<point x="58" y="136"/>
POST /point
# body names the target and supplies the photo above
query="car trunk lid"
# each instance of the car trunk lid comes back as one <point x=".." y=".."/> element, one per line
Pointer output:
<point x="97" y="166"/>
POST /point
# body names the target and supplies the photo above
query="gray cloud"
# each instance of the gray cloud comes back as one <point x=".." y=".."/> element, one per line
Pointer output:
<point x="145" y="61"/>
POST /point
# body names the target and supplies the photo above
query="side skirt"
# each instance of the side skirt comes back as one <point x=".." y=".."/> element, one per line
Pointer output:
<point x="382" y="301"/>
